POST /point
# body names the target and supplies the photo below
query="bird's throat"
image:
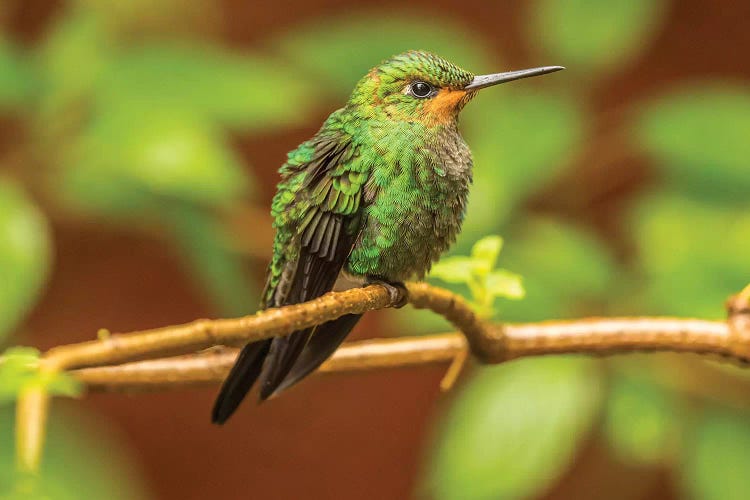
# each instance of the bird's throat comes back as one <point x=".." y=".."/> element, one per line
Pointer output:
<point x="443" y="108"/>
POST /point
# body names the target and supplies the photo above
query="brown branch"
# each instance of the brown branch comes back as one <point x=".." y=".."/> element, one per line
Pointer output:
<point x="590" y="336"/>
<point x="210" y="367"/>
<point x="489" y="343"/>
<point x="204" y="333"/>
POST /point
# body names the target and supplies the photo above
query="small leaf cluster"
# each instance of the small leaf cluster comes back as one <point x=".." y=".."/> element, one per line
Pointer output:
<point x="20" y="371"/>
<point x="478" y="273"/>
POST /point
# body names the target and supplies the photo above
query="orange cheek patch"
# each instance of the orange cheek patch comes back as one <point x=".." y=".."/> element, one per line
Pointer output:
<point x="442" y="108"/>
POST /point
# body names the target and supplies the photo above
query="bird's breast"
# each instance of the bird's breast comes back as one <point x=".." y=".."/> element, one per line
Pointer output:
<point x="415" y="213"/>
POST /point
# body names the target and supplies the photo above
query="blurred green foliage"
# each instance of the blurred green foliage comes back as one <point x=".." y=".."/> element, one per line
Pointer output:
<point x="592" y="36"/>
<point x="13" y="76"/>
<point x="513" y="430"/>
<point x="563" y="267"/>
<point x="699" y="135"/>
<point x="238" y="91"/>
<point x="24" y="254"/>
<point x="700" y="258"/>
<point x="337" y="51"/>
<point x="129" y="113"/>
<point x="83" y="456"/>
<point x="716" y="459"/>
<point x="642" y="421"/>
<point x="206" y="249"/>
<point x="517" y="137"/>
<point x="121" y="169"/>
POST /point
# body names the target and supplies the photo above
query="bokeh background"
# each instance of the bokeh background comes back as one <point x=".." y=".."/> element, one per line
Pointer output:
<point x="139" y="145"/>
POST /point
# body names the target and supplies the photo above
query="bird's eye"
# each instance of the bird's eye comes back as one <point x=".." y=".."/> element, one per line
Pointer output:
<point x="421" y="89"/>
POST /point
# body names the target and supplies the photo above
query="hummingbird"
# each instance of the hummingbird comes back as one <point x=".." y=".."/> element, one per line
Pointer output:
<point x="376" y="196"/>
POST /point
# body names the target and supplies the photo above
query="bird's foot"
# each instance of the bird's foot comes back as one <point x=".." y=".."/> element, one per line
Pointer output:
<point x="396" y="291"/>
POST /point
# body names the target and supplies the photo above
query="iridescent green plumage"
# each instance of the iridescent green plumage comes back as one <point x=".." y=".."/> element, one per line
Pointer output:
<point x="376" y="195"/>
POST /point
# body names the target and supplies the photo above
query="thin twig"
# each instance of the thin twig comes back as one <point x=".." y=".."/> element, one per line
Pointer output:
<point x="211" y="366"/>
<point x="31" y="420"/>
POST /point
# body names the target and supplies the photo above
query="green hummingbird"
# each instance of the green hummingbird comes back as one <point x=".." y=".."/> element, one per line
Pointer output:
<point x="374" y="197"/>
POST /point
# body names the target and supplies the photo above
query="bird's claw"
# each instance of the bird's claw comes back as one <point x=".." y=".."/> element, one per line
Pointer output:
<point x="397" y="292"/>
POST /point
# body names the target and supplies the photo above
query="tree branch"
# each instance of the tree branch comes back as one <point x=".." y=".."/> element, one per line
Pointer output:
<point x="589" y="336"/>
<point x="204" y="333"/>
<point x="487" y="342"/>
<point x="211" y="366"/>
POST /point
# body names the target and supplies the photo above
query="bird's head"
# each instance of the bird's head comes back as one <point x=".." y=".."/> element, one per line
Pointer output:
<point x="418" y="86"/>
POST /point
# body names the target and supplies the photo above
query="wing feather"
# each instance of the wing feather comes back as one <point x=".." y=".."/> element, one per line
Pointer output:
<point x="317" y="220"/>
<point x="329" y="229"/>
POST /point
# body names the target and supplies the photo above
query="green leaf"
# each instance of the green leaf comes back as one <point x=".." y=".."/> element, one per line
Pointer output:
<point x="117" y="168"/>
<point x="503" y="283"/>
<point x="247" y="92"/>
<point x="716" y="457"/>
<point x="642" y="421"/>
<point x="18" y="366"/>
<point x="699" y="139"/>
<point x="590" y="36"/>
<point x="520" y="140"/>
<point x="514" y="429"/>
<point x="338" y="51"/>
<point x="485" y="252"/>
<point x="693" y="254"/>
<point x="476" y="272"/>
<point x="454" y="269"/>
<point x="19" y="369"/>
<point x="562" y="267"/>
<point x="81" y="454"/>
<point x="24" y="254"/>
<point x="205" y="248"/>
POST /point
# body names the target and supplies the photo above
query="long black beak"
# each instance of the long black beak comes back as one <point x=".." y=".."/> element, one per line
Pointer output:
<point x="482" y="81"/>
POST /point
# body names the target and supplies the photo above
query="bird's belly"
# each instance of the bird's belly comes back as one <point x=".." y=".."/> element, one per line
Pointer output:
<point x="400" y="242"/>
<point x="425" y="236"/>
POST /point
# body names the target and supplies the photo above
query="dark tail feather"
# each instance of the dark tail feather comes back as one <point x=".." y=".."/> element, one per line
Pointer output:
<point x="290" y="359"/>
<point x="326" y="339"/>
<point x="242" y="377"/>
<point x="281" y="358"/>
